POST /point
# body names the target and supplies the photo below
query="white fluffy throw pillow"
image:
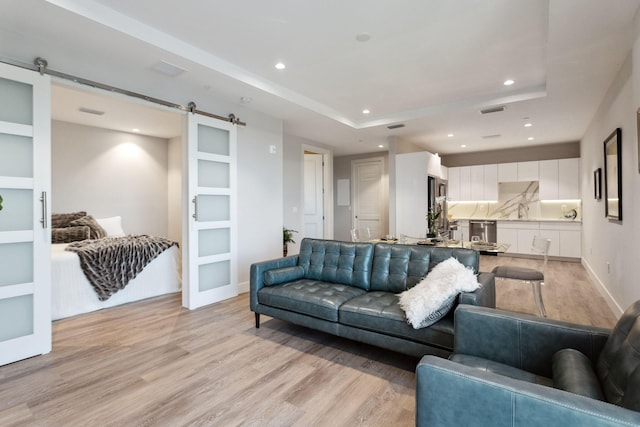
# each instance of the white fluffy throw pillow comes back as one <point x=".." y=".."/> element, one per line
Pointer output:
<point x="431" y="299"/>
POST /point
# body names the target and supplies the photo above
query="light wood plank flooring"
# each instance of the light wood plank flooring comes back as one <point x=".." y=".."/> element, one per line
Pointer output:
<point x="155" y="363"/>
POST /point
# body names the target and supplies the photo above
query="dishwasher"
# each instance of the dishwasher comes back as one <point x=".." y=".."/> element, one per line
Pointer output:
<point x="485" y="230"/>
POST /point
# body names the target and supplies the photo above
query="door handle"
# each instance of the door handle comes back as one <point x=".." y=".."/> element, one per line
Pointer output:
<point x="195" y="207"/>
<point x="43" y="199"/>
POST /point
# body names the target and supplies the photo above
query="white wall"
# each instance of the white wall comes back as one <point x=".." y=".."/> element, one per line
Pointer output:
<point x="174" y="189"/>
<point x="108" y="173"/>
<point x="610" y="248"/>
<point x="260" y="193"/>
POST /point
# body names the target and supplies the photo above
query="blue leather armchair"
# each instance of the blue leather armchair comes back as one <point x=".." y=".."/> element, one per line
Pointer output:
<point x="512" y="369"/>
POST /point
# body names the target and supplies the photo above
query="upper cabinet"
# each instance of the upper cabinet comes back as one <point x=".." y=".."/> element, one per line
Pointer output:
<point x="473" y="183"/>
<point x="569" y="179"/>
<point x="520" y="171"/>
<point x="560" y="179"/>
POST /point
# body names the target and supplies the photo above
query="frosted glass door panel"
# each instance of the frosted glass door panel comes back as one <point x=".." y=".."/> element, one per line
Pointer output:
<point x="16" y="263"/>
<point x="17" y="102"/>
<point x="17" y="208"/>
<point x="214" y="275"/>
<point x="213" y="208"/>
<point x="213" y="174"/>
<point x="20" y="162"/>
<point x="16" y="317"/>
<point x="214" y="242"/>
<point x="213" y="141"/>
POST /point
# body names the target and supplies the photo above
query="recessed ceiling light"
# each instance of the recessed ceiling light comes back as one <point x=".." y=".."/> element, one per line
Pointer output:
<point x="450" y="135"/>
<point x="508" y="82"/>
<point x="135" y="130"/>
<point x="280" y="66"/>
<point x="380" y="146"/>
<point x="363" y="37"/>
<point x="246" y="99"/>
<point x="530" y="138"/>
<point x="528" y="125"/>
<point x="463" y="146"/>
<point x="366" y="111"/>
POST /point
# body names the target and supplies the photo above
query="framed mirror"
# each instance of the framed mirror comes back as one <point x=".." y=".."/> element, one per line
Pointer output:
<point x="613" y="175"/>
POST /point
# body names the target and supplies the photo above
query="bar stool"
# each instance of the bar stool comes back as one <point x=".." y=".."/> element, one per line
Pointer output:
<point x="540" y="246"/>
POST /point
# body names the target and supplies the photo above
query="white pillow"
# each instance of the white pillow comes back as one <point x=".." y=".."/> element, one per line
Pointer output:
<point x="431" y="299"/>
<point x="113" y="226"/>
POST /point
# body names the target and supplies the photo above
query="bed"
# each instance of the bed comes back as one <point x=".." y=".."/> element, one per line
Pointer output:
<point x="73" y="294"/>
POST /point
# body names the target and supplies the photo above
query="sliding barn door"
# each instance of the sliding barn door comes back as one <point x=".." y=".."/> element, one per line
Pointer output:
<point x="209" y="258"/>
<point x="25" y="254"/>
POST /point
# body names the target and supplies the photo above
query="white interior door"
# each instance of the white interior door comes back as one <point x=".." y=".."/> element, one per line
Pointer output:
<point x="313" y="196"/>
<point x="210" y="227"/>
<point x="25" y="183"/>
<point x="369" y="196"/>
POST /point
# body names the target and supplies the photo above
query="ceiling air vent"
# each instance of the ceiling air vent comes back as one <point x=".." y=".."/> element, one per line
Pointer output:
<point x="495" y="135"/>
<point x="398" y="126"/>
<point x="492" y="110"/>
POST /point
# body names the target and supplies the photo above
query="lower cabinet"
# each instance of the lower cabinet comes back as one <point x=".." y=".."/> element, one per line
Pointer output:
<point x="565" y="236"/>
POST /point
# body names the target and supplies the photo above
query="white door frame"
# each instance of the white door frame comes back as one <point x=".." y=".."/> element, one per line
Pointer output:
<point x="327" y="158"/>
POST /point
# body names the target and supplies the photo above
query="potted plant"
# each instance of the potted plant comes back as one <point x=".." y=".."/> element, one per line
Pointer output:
<point x="287" y="237"/>
<point x="432" y="223"/>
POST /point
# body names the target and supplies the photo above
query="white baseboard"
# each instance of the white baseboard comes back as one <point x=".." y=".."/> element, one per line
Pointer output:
<point x="243" y="287"/>
<point x="613" y="305"/>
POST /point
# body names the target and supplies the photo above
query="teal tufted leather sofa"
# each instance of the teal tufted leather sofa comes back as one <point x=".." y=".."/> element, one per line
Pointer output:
<point x="350" y="290"/>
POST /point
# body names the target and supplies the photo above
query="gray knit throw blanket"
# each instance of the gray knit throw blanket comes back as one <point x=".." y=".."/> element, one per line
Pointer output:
<point x="111" y="262"/>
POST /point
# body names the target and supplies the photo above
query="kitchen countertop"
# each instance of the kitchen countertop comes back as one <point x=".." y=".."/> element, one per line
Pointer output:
<point x="519" y="220"/>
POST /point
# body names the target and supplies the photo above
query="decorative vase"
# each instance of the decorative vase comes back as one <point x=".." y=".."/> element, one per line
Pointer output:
<point x="285" y="249"/>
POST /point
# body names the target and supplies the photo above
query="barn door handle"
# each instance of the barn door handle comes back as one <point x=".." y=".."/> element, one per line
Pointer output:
<point x="195" y="207"/>
<point x="43" y="199"/>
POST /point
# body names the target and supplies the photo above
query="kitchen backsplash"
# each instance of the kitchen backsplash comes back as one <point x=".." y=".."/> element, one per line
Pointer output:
<point x="516" y="200"/>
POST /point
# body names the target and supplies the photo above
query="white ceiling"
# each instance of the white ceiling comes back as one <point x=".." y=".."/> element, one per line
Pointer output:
<point x="431" y="65"/>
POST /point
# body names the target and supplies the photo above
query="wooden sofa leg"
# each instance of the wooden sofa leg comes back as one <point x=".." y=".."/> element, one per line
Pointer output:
<point x="257" y="320"/>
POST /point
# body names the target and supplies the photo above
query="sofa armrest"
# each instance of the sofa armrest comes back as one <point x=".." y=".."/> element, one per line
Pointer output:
<point x="520" y="340"/>
<point x="449" y="394"/>
<point x="485" y="295"/>
<point x="256" y="275"/>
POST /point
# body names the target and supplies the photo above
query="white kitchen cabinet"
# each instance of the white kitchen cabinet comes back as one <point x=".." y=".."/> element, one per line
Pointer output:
<point x="476" y="183"/>
<point x="507" y="172"/>
<point x="548" y="179"/>
<point x="554" y="236"/>
<point x="568" y="179"/>
<point x="528" y="171"/>
<point x="560" y="179"/>
<point x="565" y="237"/>
<point x="445" y="172"/>
<point x="465" y="183"/>
<point x="453" y="184"/>
<point x="507" y="236"/>
<point x="490" y="183"/>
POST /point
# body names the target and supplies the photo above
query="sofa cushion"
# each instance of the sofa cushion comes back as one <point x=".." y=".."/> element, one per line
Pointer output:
<point x="337" y="262"/>
<point x="488" y="365"/>
<point x="398" y="267"/>
<point x="283" y="275"/>
<point x="311" y="297"/>
<point x="618" y="365"/>
<point x="379" y="311"/>
<point x="573" y="372"/>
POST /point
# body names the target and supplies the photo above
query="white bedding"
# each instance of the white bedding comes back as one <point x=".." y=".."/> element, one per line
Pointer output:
<point x="71" y="292"/>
